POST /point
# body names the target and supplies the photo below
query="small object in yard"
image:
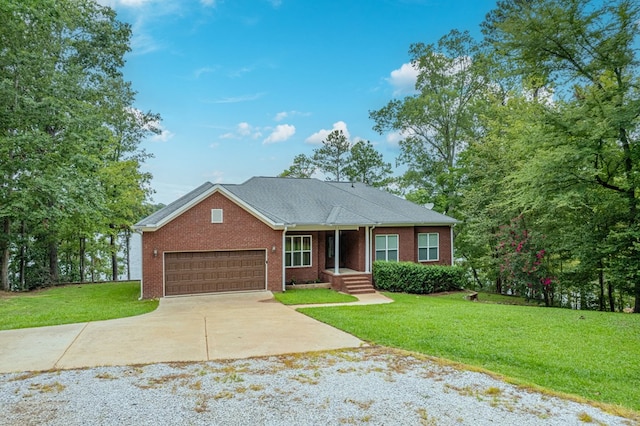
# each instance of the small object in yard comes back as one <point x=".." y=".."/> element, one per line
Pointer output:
<point x="473" y="296"/>
<point x="581" y="316"/>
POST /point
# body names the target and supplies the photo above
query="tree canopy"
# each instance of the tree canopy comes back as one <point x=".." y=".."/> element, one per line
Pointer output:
<point x="337" y="159"/>
<point x="69" y="138"/>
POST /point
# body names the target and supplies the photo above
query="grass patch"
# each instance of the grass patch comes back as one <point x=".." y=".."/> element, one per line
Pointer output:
<point x="313" y="296"/>
<point x="484" y="297"/>
<point x="586" y="353"/>
<point x="72" y="304"/>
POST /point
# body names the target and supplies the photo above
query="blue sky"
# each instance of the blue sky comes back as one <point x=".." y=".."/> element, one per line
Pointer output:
<point x="245" y="85"/>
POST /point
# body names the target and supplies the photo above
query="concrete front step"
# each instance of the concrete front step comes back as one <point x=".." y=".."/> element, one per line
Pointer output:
<point x="358" y="286"/>
<point x="362" y="291"/>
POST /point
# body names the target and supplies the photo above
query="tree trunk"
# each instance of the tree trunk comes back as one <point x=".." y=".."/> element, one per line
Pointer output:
<point x="114" y="258"/>
<point x="545" y="295"/>
<point x="22" y="279"/>
<point x="128" y="248"/>
<point x="53" y="263"/>
<point x="601" y="282"/>
<point x="475" y="277"/>
<point x="499" y="285"/>
<point x="82" y="256"/>
<point x="612" y="300"/>
<point x="4" y="251"/>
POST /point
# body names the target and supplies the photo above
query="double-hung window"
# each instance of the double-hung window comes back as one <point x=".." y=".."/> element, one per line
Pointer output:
<point x="387" y="247"/>
<point x="427" y="247"/>
<point x="298" y="251"/>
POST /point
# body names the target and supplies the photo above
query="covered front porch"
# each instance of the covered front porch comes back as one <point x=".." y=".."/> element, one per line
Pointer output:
<point x="339" y="257"/>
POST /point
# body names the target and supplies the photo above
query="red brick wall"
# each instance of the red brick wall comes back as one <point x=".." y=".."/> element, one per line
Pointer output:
<point x="444" y="244"/>
<point x="310" y="273"/>
<point x="193" y="231"/>
<point x="355" y="247"/>
<point x="408" y="242"/>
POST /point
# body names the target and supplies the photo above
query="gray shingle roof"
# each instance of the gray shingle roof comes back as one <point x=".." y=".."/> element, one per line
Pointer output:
<point x="291" y="201"/>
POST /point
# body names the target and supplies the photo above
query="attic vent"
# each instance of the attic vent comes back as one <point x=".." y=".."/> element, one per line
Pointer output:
<point x="216" y="215"/>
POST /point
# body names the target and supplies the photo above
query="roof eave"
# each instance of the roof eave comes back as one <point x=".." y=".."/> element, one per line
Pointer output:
<point x="216" y="188"/>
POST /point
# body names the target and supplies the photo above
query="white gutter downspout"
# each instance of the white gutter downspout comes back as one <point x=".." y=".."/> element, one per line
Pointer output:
<point x="370" y="248"/>
<point x="367" y="251"/>
<point x="284" y="255"/>
<point x="451" y="242"/>
<point x="142" y="266"/>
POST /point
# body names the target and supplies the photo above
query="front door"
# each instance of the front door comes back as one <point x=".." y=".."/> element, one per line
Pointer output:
<point x="331" y="250"/>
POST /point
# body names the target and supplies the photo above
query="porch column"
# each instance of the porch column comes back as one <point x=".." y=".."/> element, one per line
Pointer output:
<point x="367" y="251"/>
<point x="336" y="258"/>
<point x="284" y="255"/>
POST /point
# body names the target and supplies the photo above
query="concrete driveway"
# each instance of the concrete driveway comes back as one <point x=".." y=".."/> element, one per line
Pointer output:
<point x="193" y="328"/>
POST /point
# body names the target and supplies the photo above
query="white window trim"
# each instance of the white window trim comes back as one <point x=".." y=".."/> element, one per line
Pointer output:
<point x="289" y="253"/>
<point x="437" y="246"/>
<point x="386" y="250"/>
<point x="216" y="216"/>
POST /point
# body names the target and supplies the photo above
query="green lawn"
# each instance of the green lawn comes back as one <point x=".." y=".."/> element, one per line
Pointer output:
<point x="313" y="296"/>
<point x="72" y="304"/>
<point x="595" y="355"/>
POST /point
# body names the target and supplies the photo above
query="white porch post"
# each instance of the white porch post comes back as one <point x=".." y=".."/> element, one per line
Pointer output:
<point x="336" y="258"/>
<point x="367" y="251"/>
<point x="284" y="255"/>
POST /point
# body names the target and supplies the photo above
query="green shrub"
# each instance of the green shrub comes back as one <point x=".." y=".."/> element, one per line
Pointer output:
<point x="408" y="277"/>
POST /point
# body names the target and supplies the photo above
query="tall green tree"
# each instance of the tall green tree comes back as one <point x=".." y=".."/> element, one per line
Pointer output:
<point x="586" y="52"/>
<point x="367" y="165"/>
<point x="333" y="157"/>
<point x="338" y="159"/>
<point x="302" y="167"/>
<point x="63" y="98"/>
<point x="438" y="121"/>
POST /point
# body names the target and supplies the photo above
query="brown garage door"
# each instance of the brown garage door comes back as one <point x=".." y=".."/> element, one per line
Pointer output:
<point x="214" y="271"/>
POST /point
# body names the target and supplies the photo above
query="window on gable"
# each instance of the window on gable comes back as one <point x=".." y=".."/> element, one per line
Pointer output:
<point x="216" y="215"/>
<point x="387" y="247"/>
<point x="297" y="251"/>
<point x="427" y="247"/>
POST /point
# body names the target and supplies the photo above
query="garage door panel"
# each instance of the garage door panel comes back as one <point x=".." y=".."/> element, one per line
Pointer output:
<point x="209" y="272"/>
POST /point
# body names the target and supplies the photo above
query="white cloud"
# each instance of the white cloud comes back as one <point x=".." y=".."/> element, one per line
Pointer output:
<point x="284" y="114"/>
<point x="204" y="70"/>
<point x="163" y="136"/>
<point x="281" y="116"/>
<point x="275" y="3"/>
<point x="281" y="133"/>
<point x="394" y="138"/>
<point x="322" y="134"/>
<point x="404" y="80"/>
<point x="208" y="3"/>
<point x="240" y="71"/>
<point x="243" y="130"/>
<point x="126" y="3"/>
<point x="237" y="99"/>
<point x="215" y="176"/>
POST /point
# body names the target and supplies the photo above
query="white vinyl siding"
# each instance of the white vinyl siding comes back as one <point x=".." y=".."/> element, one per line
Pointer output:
<point x="428" y="247"/>
<point x="387" y="247"/>
<point x="298" y="251"/>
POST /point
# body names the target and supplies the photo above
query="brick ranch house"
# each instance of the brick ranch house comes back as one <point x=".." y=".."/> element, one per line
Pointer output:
<point x="267" y="232"/>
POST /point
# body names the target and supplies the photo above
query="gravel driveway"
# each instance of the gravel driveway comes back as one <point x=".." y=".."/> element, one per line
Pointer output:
<point x="376" y="386"/>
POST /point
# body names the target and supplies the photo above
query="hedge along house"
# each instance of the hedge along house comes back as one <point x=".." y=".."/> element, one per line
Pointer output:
<point x="267" y="232"/>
